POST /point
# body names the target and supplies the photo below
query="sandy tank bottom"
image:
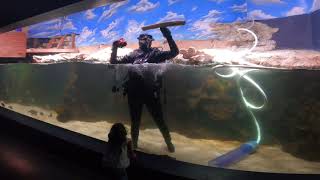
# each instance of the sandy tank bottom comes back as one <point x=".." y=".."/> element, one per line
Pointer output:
<point x="197" y="151"/>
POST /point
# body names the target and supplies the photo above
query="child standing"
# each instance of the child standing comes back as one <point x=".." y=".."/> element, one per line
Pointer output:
<point x="117" y="152"/>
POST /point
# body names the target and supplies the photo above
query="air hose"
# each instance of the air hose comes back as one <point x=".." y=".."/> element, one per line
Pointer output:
<point x="250" y="146"/>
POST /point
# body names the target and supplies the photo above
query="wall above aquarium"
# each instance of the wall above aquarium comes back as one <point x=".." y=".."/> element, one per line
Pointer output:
<point x="103" y="25"/>
<point x="287" y="32"/>
<point x="276" y="33"/>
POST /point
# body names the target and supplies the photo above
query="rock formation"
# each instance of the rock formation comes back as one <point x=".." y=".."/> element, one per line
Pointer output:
<point x="228" y="36"/>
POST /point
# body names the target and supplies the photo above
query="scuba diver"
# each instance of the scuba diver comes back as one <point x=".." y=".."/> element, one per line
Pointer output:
<point x="140" y="91"/>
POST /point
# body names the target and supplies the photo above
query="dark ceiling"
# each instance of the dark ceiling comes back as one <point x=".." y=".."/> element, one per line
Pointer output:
<point x="12" y="11"/>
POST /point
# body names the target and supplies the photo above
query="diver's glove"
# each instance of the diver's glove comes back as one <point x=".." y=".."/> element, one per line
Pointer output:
<point x="166" y="32"/>
<point x="119" y="43"/>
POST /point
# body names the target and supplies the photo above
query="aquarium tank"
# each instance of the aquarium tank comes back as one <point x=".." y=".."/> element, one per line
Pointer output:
<point x="222" y="83"/>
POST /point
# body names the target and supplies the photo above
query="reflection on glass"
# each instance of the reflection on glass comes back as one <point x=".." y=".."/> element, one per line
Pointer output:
<point x="235" y="82"/>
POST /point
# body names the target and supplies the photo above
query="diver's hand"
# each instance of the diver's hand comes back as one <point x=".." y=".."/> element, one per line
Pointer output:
<point x="115" y="44"/>
<point x="119" y="43"/>
<point x="166" y="32"/>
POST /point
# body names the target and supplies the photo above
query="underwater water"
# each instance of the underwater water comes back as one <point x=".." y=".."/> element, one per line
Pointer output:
<point x="202" y="107"/>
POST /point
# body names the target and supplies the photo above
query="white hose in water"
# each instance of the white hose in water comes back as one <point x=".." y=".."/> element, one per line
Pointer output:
<point x="242" y="74"/>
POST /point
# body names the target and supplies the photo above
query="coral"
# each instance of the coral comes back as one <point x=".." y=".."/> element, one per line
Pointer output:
<point x="193" y="56"/>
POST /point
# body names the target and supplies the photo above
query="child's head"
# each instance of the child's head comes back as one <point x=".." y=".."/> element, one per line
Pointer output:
<point x="117" y="134"/>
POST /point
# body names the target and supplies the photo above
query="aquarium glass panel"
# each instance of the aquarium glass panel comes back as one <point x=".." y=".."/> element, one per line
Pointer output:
<point x="221" y="83"/>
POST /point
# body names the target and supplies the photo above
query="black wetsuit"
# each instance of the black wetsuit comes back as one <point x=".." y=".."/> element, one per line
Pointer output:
<point x="141" y="91"/>
<point x="153" y="55"/>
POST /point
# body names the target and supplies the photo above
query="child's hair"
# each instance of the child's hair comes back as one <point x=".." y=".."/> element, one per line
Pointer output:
<point x="117" y="136"/>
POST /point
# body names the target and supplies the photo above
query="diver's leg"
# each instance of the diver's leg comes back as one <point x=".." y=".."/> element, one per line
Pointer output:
<point x="154" y="107"/>
<point x="135" y="107"/>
